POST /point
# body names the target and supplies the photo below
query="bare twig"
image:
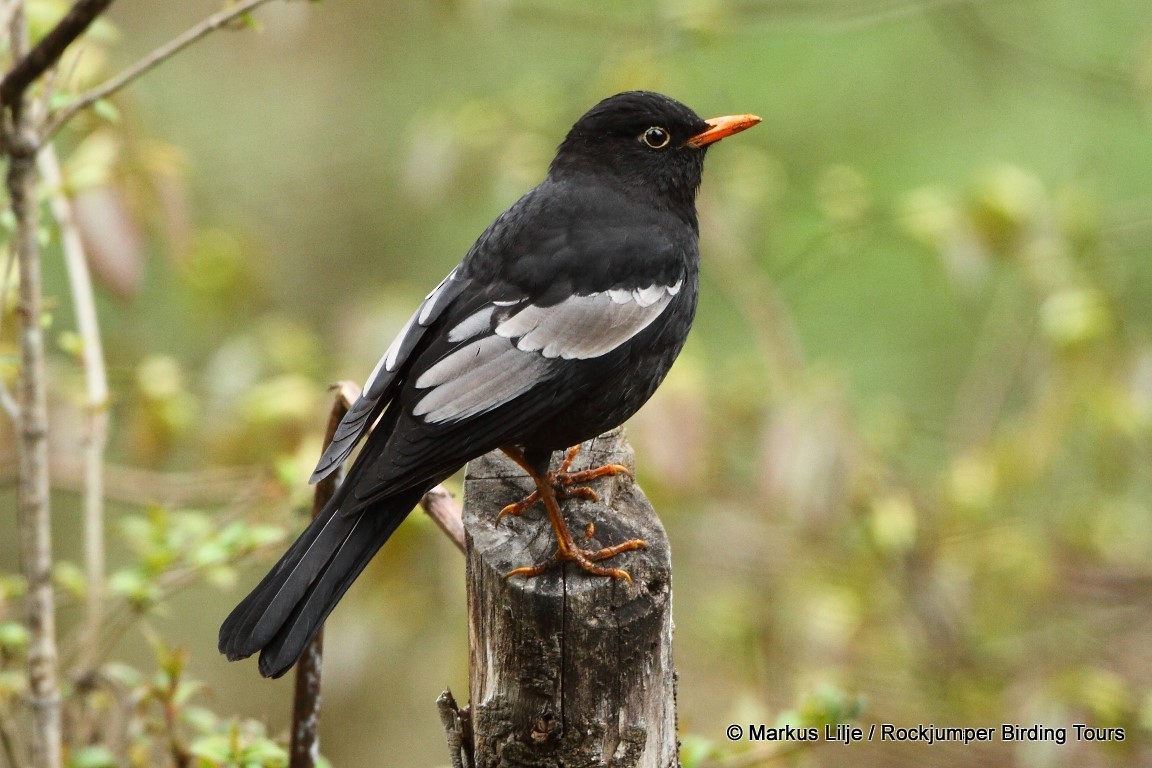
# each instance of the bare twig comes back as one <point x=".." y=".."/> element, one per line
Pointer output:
<point x="96" y="380"/>
<point x="447" y="513"/>
<point x="456" y="724"/>
<point x="149" y="62"/>
<point x="305" y="747"/>
<point x="7" y="400"/>
<point x="35" y="517"/>
<point x="8" y="403"/>
<point x="49" y="50"/>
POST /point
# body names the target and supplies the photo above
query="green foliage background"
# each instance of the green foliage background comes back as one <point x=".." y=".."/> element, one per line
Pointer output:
<point x="904" y="461"/>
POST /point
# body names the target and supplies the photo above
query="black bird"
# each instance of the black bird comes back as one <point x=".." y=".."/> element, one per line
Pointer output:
<point x="559" y="324"/>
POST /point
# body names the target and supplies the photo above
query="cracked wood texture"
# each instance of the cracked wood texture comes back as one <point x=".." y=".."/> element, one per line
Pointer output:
<point x="568" y="669"/>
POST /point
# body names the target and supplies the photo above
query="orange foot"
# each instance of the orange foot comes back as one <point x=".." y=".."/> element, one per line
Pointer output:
<point x="563" y="484"/>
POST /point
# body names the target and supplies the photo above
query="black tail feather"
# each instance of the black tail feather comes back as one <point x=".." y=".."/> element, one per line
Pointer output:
<point x="288" y="606"/>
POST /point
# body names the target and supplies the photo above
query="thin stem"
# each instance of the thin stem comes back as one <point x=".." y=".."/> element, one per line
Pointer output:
<point x="305" y="745"/>
<point x="96" y="407"/>
<point x="8" y="401"/>
<point x="149" y="62"/>
<point x="447" y="514"/>
<point x="31" y="65"/>
<point x="35" y="519"/>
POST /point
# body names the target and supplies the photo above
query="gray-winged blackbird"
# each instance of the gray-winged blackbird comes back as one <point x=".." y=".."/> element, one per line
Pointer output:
<point x="559" y="324"/>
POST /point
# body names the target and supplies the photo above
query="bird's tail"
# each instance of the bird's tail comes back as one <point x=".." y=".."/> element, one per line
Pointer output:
<point x="286" y="609"/>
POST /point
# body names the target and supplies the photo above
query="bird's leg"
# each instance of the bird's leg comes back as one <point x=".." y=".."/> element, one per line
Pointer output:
<point x="547" y="487"/>
<point x="565" y="483"/>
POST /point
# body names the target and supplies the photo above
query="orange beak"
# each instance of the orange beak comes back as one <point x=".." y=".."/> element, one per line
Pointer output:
<point x="721" y="127"/>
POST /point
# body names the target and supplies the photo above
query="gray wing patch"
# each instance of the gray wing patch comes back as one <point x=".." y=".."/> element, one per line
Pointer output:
<point x="478" y="377"/>
<point x="507" y="361"/>
<point x="473" y="325"/>
<point x="581" y="327"/>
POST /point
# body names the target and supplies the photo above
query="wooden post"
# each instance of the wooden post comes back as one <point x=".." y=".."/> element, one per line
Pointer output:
<point x="568" y="669"/>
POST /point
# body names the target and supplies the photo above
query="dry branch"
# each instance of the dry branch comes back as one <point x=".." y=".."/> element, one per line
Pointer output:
<point x="149" y="62"/>
<point x="96" y="386"/>
<point x="49" y="50"/>
<point x="305" y="746"/>
<point x="35" y="520"/>
<point x="447" y="514"/>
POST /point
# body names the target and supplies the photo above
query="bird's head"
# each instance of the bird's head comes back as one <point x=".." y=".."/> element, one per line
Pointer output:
<point x="646" y="141"/>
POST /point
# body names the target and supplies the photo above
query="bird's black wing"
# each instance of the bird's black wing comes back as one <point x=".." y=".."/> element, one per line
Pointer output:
<point x="493" y="368"/>
<point x="385" y="378"/>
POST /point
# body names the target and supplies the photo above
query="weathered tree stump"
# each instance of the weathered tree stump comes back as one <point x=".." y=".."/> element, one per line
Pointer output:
<point x="568" y="669"/>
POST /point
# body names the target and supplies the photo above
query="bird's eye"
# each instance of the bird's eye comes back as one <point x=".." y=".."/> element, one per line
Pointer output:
<point x="656" y="137"/>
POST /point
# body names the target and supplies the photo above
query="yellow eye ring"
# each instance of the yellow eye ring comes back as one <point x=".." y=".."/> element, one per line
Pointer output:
<point x="656" y="137"/>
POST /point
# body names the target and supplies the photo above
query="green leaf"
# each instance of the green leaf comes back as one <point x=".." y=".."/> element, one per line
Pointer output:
<point x="70" y="342"/>
<point x="93" y="757"/>
<point x="200" y="719"/>
<point x="126" y="675"/>
<point x="265" y="535"/>
<point x="221" y="576"/>
<point x="216" y="749"/>
<point x="265" y="753"/>
<point x="137" y="531"/>
<point x="59" y="99"/>
<point x="13" y="683"/>
<point x="695" y="749"/>
<point x="69" y="577"/>
<point x="134" y="585"/>
<point x="106" y="110"/>
<point x="248" y="21"/>
<point x="185" y="691"/>
<point x="13" y="636"/>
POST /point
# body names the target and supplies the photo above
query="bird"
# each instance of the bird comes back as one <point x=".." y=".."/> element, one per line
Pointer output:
<point x="559" y="323"/>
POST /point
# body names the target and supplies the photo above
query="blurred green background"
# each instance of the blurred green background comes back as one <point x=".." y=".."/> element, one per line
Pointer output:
<point x="905" y="461"/>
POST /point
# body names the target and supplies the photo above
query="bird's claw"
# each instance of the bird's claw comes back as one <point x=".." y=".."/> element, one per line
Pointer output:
<point x="586" y="559"/>
<point x="567" y="484"/>
<point x="519" y="507"/>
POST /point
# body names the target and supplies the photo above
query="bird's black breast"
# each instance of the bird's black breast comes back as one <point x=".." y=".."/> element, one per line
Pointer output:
<point x="575" y="238"/>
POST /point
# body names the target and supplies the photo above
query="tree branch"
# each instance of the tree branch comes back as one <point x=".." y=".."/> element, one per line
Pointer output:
<point x="49" y="50"/>
<point x="35" y="516"/>
<point x="447" y="513"/>
<point x="7" y="401"/>
<point x="149" y="62"/>
<point x="305" y="734"/>
<point x="96" y="407"/>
